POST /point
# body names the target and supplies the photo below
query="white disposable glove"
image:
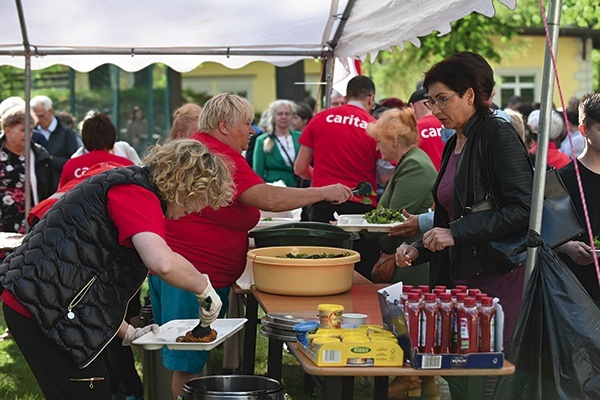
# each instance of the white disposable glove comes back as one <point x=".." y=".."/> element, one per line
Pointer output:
<point x="134" y="333"/>
<point x="209" y="312"/>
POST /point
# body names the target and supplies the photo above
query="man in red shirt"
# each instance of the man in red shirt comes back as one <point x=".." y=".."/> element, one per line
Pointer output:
<point x="337" y="145"/>
<point x="430" y="128"/>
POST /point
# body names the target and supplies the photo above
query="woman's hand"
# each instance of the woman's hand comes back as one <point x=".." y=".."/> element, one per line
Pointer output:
<point x="409" y="227"/>
<point x="578" y="251"/>
<point x="405" y="255"/>
<point x="438" y="239"/>
<point x="336" y="194"/>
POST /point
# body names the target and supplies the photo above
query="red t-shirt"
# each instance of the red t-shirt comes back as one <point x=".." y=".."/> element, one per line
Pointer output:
<point x="132" y="209"/>
<point x="430" y="138"/>
<point x="76" y="167"/>
<point x="343" y="152"/>
<point x="216" y="242"/>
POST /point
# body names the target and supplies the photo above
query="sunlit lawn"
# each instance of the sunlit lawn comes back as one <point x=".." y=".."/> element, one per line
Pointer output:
<point x="18" y="383"/>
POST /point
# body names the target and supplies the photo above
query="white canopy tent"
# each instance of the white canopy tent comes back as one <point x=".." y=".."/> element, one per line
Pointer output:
<point x="132" y="34"/>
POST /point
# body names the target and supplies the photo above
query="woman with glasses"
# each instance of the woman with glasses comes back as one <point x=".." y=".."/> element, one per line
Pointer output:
<point x="485" y="151"/>
<point x="275" y="151"/>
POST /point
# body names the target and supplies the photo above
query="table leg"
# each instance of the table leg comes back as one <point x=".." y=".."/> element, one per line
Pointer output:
<point x="380" y="387"/>
<point x="338" y="387"/>
<point x="275" y="359"/>
<point x="250" y="335"/>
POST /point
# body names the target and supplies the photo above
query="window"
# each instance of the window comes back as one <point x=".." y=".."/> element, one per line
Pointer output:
<point x="240" y="85"/>
<point x="517" y="85"/>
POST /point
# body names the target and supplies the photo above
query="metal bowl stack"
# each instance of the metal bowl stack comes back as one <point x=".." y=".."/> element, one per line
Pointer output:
<point x="281" y="325"/>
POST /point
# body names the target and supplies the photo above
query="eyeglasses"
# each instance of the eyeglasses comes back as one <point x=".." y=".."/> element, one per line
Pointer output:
<point x="441" y="103"/>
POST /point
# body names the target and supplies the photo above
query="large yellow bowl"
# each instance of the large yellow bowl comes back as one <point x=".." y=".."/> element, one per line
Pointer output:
<point x="302" y="277"/>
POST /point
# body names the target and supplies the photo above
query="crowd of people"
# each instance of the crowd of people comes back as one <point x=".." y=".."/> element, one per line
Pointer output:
<point x="181" y="217"/>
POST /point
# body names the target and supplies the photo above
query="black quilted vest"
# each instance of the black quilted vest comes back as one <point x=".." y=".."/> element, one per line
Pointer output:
<point x="72" y="274"/>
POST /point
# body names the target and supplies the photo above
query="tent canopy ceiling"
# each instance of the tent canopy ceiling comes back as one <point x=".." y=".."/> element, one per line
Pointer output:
<point x="183" y="34"/>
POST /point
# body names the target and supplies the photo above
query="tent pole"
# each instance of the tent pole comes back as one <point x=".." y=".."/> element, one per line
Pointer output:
<point x="539" y="179"/>
<point x="28" y="128"/>
<point x="329" y="64"/>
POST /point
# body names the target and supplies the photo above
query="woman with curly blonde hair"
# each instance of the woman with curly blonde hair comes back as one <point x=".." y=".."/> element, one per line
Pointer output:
<point x="67" y="287"/>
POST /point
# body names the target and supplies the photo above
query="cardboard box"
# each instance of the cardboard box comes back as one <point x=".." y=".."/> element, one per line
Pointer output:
<point x="394" y="320"/>
<point x="343" y="354"/>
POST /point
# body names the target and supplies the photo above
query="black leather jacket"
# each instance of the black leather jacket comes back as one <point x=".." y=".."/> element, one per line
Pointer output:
<point x="505" y="158"/>
<point x="72" y="274"/>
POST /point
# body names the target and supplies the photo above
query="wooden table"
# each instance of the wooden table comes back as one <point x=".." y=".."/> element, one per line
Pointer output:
<point x="338" y="381"/>
<point x="290" y="303"/>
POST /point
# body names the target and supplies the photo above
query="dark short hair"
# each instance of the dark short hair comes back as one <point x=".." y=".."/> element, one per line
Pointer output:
<point x="304" y="111"/>
<point x="589" y="109"/>
<point x="98" y="132"/>
<point x="462" y="71"/>
<point x="359" y="87"/>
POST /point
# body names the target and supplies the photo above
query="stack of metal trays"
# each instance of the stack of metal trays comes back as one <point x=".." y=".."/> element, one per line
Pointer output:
<point x="281" y="325"/>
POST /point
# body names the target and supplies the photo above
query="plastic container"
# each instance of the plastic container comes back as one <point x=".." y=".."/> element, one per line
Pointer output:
<point x="487" y="322"/>
<point x="303" y="234"/>
<point x="444" y="323"/>
<point x="330" y="315"/>
<point x="412" y="310"/>
<point x="469" y="323"/>
<point x="428" y="324"/>
<point x="353" y="320"/>
<point x="303" y="329"/>
<point x="302" y="277"/>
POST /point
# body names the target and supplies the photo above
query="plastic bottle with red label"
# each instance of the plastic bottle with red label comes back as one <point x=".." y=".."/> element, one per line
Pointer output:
<point x="487" y="322"/>
<point x="444" y="323"/>
<point x="412" y="311"/>
<point x="428" y="323"/>
<point x="469" y="327"/>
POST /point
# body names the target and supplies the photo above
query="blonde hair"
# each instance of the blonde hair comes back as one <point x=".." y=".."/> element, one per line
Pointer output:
<point x="226" y="107"/>
<point x="516" y="120"/>
<point x="185" y="121"/>
<point x="397" y="125"/>
<point x="186" y="174"/>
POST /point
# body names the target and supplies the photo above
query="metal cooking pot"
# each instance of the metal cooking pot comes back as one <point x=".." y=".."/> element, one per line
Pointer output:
<point x="240" y="387"/>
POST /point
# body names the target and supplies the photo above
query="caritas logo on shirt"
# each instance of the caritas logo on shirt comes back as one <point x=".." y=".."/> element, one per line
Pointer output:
<point x="346" y="120"/>
<point x="80" y="171"/>
<point x="431" y="132"/>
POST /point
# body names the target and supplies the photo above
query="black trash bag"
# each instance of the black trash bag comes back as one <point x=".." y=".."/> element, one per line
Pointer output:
<point x="556" y="343"/>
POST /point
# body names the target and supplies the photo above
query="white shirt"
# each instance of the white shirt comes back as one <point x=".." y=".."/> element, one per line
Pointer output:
<point x="578" y="144"/>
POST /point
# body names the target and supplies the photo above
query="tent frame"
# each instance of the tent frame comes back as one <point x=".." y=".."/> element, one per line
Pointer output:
<point x="327" y="53"/>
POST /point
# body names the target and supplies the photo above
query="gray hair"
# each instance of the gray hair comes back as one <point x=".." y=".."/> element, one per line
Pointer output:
<point x="44" y="100"/>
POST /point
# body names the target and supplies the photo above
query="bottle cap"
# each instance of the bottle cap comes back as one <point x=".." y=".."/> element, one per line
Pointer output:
<point x="473" y="292"/>
<point x="487" y="301"/>
<point x="414" y="296"/>
<point x="424" y="288"/>
<point x="462" y="288"/>
<point x="460" y="297"/>
<point x="430" y="297"/>
<point x="469" y="302"/>
<point x="407" y="288"/>
<point x="445" y="297"/>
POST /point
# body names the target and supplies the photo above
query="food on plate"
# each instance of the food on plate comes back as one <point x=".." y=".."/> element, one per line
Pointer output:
<point x="384" y="215"/>
<point x="190" y="338"/>
<point x="314" y="255"/>
<point x="597" y="242"/>
<point x="267" y="219"/>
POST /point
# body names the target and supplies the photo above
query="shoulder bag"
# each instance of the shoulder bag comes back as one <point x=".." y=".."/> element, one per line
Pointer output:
<point x="560" y="221"/>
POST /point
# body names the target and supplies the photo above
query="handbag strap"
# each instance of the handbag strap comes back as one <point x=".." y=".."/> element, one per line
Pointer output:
<point x="284" y="151"/>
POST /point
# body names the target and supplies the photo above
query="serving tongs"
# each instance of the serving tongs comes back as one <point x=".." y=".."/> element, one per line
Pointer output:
<point x="199" y="330"/>
<point x="362" y="189"/>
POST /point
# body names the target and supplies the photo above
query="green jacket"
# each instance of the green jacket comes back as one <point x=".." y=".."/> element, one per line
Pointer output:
<point x="272" y="166"/>
<point x="409" y="187"/>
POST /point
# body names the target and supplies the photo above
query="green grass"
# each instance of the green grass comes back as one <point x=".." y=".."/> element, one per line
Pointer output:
<point x="17" y="381"/>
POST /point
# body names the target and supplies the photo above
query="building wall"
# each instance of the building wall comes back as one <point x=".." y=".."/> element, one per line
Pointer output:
<point x="574" y="70"/>
<point x="255" y="81"/>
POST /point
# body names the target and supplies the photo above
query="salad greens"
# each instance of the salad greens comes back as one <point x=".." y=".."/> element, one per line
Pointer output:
<point x="315" y="256"/>
<point x="384" y="215"/>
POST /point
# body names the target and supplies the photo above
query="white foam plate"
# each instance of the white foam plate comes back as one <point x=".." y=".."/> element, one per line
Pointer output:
<point x="171" y="330"/>
<point x="357" y="222"/>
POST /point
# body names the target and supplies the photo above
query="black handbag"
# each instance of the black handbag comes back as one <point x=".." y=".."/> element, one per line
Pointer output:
<point x="560" y="222"/>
